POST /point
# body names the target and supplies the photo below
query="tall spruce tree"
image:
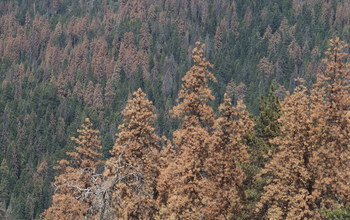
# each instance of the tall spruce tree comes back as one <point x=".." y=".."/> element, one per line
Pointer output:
<point x="133" y="168"/>
<point x="74" y="187"/>
<point x="181" y="182"/>
<point x="267" y="124"/>
<point x="311" y="170"/>
<point x="330" y="111"/>
<point x="267" y="127"/>
<point x="286" y="193"/>
<point x="227" y="152"/>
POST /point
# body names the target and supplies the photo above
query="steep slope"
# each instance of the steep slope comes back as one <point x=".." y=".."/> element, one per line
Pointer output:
<point x="61" y="61"/>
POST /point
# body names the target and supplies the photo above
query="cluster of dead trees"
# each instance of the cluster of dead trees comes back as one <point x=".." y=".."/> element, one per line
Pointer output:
<point x="199" y="173"/>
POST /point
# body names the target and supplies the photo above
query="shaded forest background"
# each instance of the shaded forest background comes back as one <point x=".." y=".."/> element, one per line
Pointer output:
<point x="62" y="61"/>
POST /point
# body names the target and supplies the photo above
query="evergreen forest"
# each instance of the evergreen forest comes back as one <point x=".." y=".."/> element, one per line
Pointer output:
<point x="174" y="109"/>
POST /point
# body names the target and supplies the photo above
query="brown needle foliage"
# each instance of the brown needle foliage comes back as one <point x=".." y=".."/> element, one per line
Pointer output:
<point x="181" y="181"/>
<point x="74" y="186"/>
<point x="193" y="108"/>
<point x="133" y="168"/>
<point x="311" y="171"/>
<point x="227" y="152"/>
<point x="331" y="111"/>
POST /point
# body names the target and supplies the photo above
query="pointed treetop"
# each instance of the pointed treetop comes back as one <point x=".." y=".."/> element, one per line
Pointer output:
<point x="133" y="167"/>
<point x="194" y="97"/>
<point x="137" y="129"/>
<point x="88" y="145"/>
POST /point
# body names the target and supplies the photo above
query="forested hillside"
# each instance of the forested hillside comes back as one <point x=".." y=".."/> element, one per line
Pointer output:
<point x="63" y="61"/>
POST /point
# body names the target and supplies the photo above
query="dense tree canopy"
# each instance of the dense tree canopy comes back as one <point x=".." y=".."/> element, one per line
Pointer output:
<point x="311" y="170"/>
<point x="181" y="182"/>
<point x="63" y="61"/>
<point x="201" y="173"/>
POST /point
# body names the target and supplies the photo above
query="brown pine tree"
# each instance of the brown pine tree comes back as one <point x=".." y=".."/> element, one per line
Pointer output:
<point x="145" y="41"/>
<point x="143" y="53"/>
<point x="265" y="67"/>
<point x="133" y="168"/>
<point x="228" y="150"/>
<point x="330" y="110"/>
<point x="311" y="171"/>
<point x="181" y="182"/>
<point x="100" y="58"/>
<point x="128" y="55"/>
<point x="286" y="194"/>
<point x="74" y="187"/>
